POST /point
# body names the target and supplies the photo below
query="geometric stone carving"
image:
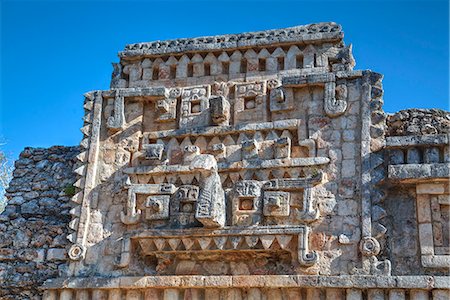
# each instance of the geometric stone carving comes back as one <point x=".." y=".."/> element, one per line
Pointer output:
<point x="246" y="203"/>
<point x="166" y="109"/>
<point x="278" y="101"/>
<point x="250" y="101"/>
<point x="210" y="209"/>
<point x="211" y="203"/>
<point x="187" y="196"/>
<point x="153" y="151"/>
<point x="283" y="148"/>
<point x="276" y="204"/>
<point x="182" y="212"/>
<point x="433" y="203"/>
<point x="249" y="149"/>
<point x="194" y="105"/>
<point x="132" y="215"/>
<point x="254" y="239"/>
<point x="308" y="213"/>
<point x="335" y="102"/>
<point x="157" y="207"/>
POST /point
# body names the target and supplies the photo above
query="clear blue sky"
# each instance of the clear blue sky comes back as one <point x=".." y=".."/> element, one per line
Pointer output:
<point x="54" y="51"/>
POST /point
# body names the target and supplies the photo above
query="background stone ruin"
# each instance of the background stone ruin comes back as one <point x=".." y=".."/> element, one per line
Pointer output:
<point x="249" y="166"/>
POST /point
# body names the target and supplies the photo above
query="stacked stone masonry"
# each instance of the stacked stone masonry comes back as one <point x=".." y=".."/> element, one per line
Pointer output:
<point x="249" y="166"/>
<point x="33" y="227"/>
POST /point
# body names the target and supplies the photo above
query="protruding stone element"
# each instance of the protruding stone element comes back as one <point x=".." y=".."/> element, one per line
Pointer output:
<point x="369" y="246"/>
<point x="157" y="207"/>
<point x="210" y="210"/>
<point x="250" y="149"/>
<point x="276" y="204"/>
<point x="194" y="105"/>
<point x="117" y="120"/>
<point x="77" y="252"/>
<point x="335" y="102"/>
<point x="305" y="257"/>
<point x="283" y="148"/>
<point x="220" y="110"/>
<point x="190" y="153"/>
<point x="153" y="151"/>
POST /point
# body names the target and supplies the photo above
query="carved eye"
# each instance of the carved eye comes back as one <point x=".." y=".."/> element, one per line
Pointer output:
<point x="246" y="204"/>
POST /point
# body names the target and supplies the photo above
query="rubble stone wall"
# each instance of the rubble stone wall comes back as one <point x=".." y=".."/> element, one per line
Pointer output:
<point x="33" y="227"/>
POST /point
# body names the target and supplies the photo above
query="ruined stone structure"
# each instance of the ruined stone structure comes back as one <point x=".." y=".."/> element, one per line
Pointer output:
<point x="249" y="166"/>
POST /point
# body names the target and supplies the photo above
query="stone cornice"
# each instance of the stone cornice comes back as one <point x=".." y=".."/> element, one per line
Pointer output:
<point x="327" y="31"/>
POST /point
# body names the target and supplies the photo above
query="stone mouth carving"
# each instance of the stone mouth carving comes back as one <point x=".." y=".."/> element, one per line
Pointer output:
<point x="293" y="239"/>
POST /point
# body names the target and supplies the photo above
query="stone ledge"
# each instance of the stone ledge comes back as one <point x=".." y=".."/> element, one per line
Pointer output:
<point x="417" y="140"/>
<point x="242" y="281"/>
<point x="232" y="166"/>
<point x="419" y="172"/>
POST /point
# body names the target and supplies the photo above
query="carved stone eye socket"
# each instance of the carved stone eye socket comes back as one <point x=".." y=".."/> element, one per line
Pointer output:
<point x="246" y="204"/>
<point x="274" y="203"/>
<point x="187" y="207"/>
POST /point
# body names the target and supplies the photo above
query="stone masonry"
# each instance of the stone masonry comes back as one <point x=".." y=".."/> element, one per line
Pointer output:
<point x="249" y="166"/>
<point x="33" y="227"/>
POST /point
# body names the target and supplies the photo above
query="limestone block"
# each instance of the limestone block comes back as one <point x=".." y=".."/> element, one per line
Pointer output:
<point x="56" y="254"/>
<point x="426" y="238"/>
<point x="431" y="155"/>
<point x="430" y="188"/>
<point x="413" y="156"/>
<point x="353" y="294"/>
<point x="283" y="147"/>
<point x="396" y="157"/>
<point x="246" y="203"/>
<point x="397" y="295"/>
<point x="419" y="295"/>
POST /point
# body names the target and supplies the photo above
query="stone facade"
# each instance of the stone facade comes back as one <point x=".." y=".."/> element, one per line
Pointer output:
<point x="254" y="166"/>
